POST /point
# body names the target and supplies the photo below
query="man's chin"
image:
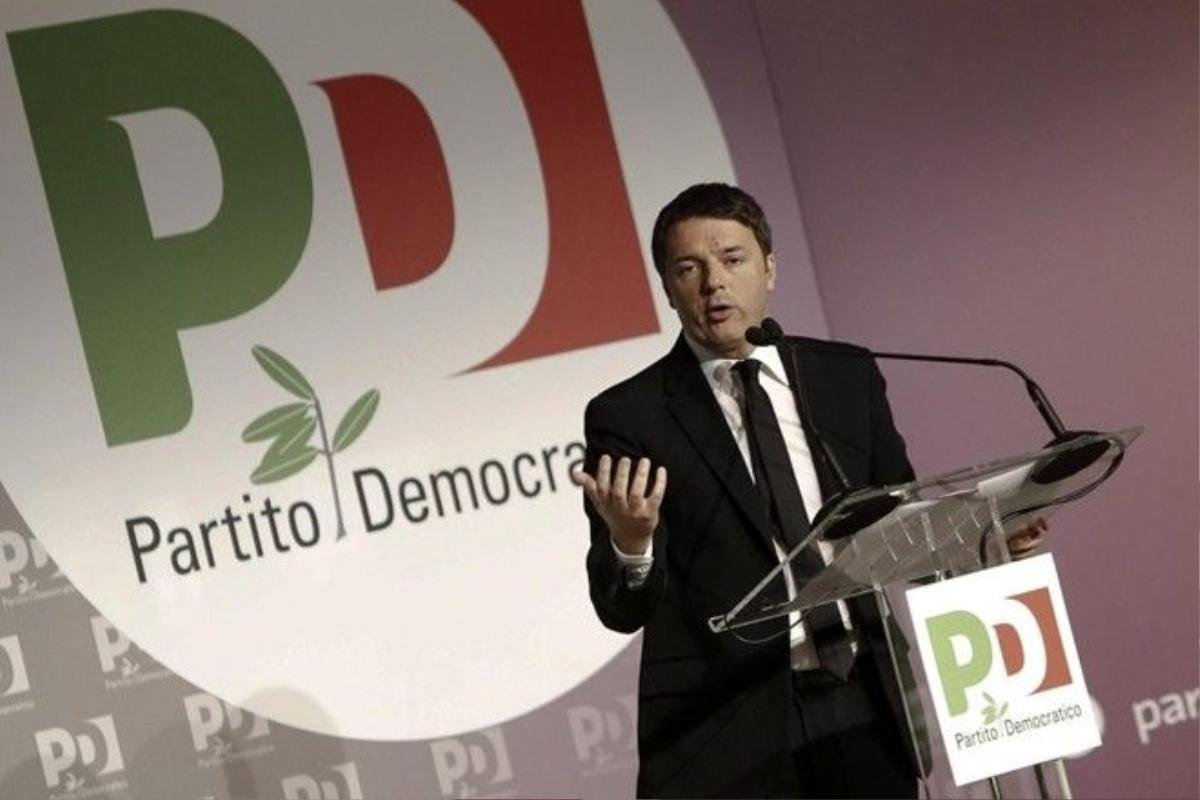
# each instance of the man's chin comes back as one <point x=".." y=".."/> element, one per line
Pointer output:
<point x="729" y="343"/>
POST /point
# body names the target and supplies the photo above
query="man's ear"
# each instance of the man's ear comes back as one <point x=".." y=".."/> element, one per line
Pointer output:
<point x="771" y="272"/>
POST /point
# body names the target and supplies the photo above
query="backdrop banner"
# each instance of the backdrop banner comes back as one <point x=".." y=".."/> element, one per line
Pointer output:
<point x="300" y="306"/>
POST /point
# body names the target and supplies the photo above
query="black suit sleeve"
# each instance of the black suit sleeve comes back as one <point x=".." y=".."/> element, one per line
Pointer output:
<point x="620" y="608"/>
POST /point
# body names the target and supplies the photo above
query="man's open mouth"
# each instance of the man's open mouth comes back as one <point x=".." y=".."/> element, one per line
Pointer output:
<point x="718" y="312"/>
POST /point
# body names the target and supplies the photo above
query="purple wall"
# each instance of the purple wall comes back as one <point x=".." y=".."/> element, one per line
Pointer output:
<point x="1020" y="180"/>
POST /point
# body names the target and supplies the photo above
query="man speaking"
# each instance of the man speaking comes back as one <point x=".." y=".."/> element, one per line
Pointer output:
<point x="699" y="475"/>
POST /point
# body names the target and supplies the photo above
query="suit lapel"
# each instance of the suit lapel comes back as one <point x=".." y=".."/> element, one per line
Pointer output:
<point x="690" y="400"/>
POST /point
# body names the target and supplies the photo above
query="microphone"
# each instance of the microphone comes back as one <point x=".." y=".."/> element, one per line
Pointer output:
<point x="766" y="334"/>
<point x="1057" y="468"/>
<point x="855" y="517"/>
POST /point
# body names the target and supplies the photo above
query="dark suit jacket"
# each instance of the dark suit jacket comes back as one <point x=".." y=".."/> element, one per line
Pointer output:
<point x="713" y="710"/>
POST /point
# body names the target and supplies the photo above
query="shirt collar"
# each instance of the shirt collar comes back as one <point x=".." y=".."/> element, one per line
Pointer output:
<point x="716" y="368"/>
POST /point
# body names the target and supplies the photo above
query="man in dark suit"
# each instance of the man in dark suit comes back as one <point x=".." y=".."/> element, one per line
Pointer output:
<point x="795" y="712"/>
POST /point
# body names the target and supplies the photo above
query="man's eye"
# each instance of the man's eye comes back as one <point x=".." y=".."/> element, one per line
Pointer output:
<point x="735" y="259"/>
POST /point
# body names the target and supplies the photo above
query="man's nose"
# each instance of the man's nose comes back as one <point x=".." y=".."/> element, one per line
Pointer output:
<point x="714" y="278"/>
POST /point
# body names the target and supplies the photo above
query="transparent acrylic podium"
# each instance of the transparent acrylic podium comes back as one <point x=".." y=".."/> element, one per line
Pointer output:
<point x="932" y="528"/>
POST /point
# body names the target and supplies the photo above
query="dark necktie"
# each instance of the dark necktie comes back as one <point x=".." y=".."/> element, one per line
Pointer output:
<point x="776" y="482"/>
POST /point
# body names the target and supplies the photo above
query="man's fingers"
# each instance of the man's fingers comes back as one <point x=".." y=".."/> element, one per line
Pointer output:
<point x="660" y="487"/>
<point x="621" y="488"/>
<point x="603" y="478"/>
<point x="620" y="484"/>
<point x="1024" y="542"/>
<point x="1031" y="531"/>
<point x="585" y="482"/>
<point x="637" y="489"/>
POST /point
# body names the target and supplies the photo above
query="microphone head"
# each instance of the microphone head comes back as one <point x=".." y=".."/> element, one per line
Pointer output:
<point x="764" y="335"/>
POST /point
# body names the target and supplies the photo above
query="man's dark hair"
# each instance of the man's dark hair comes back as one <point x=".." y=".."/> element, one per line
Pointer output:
<point x="715" y="200"/>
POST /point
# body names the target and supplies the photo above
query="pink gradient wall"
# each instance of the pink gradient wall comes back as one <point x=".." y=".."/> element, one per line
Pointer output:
<point x="1020" y="180"/>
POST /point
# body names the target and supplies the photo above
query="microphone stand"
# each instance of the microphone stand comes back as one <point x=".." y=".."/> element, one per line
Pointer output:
<point x="1054" y="469"/>
<point x="857" y="516"/>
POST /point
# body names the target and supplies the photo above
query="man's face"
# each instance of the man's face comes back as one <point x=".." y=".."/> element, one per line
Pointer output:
<point x="717" y="279"/>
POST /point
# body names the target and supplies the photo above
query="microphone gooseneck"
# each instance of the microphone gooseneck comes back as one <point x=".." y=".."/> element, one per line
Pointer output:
<point x="854" y="517"/>
<point x="1054" y="469"/>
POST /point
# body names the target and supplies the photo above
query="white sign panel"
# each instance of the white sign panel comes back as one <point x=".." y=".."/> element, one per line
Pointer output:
<point x="1002" y="669"/>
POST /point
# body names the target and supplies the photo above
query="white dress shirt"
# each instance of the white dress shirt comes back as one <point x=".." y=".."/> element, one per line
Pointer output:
<point x="726" y="387"/>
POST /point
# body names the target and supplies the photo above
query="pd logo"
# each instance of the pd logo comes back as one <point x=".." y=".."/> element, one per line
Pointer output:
<point x="965" y="648"/>
<point x="1005" y="677"/>
<point x="14" y="679"/>
<point x="218" y="727"/>
<point x="70" y="757"/>
<point x="246" y="183"/>
<point x="24" y="565"/>
<point x="339" y="782"/>
<point x="472" y="765"/>
<point x="605" y="738"/>
<point x="81" y="115"/>
<point x="113" y="648"/>
<point x="121" y="661"/>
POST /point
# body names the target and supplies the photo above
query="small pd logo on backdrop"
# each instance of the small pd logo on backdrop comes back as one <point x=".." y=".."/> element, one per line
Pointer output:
<point x="14" y="677"/>
<point x="222" y="732"/>
<point x="27" y="574"/>
<point x="605" y="736"/>
<point x="338" y="782"/>
<point x="83" y="760"/>
<point x="122" y="662"/>
<point x="473" y="765"/>
<point x="1003" y="669"/>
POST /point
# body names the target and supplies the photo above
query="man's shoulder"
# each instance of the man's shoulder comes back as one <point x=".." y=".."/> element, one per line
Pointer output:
<point x="638" y="388"/>
<point x="830" y="347"/>
<point x="832" y="357"/>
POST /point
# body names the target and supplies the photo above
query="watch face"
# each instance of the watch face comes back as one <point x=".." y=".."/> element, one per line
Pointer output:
<point x="636" y="574"/>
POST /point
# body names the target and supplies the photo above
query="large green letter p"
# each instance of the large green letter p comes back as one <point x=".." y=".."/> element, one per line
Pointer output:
<point x="957" y="677"/>
<point x="133" y="293"/>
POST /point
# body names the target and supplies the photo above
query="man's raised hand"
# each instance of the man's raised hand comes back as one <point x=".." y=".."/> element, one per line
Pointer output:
<point x="622" y="501"/>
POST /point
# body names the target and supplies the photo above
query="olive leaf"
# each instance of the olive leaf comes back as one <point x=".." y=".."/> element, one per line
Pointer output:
<point x="292" y="439"/>
<point x="988" y="697"/>
<point x="355" y="420"/>
<point x="290" y="428"/>
<point x="276" y="467"/>
<point x="275" y="422"/>
<point x="1003" y="708"/>
<point x="283" y="372"/>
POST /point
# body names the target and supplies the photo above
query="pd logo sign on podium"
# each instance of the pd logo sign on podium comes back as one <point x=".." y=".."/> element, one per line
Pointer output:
<point x="1003" y="669"/>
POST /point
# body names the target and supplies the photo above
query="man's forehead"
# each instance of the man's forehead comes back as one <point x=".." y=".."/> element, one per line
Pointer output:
<point x="708" y="233"/>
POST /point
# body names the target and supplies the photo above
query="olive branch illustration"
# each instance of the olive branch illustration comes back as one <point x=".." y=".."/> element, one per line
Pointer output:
<point x="291" y="427"/>
<point x="990" y="712"/>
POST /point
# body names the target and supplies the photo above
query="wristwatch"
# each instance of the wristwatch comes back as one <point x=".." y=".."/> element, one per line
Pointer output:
<point x="636" y="575"/>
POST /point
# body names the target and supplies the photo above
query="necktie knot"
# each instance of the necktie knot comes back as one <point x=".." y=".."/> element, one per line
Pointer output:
<point x="747" y="369"/>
